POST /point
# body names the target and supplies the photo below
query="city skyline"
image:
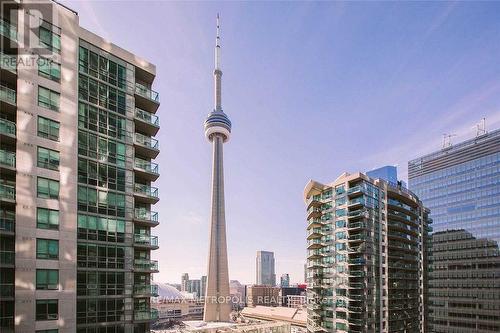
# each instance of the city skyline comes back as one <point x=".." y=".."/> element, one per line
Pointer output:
<point x="314" y="80"/>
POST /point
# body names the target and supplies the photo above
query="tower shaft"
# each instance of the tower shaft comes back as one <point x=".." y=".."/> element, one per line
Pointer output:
<point x="217" y="304"/>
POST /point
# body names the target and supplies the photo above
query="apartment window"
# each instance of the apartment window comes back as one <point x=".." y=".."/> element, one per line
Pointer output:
<point x="49" y="69"/>
<point x="101" y="174"/>
<point x="102" y="202"/>
<point x="101" y="94"/>
<point x="104" y="229"/>
<point x="50" y="36"/>
<point x="48" y="128"/>
<point x="47" y="188"/>
<point x="99" y="66"/>
<point x="47" y="218"/>
<point x="47" y="249"/>
<point x="105" y="150"/>
<point x="48" y="158"/>
<point x="47" y="309"/>
<point x="48" y="98"/>
<point x="47" y="279"/>
<point x="102" y="121"/>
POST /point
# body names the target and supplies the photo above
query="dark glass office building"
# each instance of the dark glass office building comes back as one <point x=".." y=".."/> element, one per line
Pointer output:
<point x="461" y="186"/>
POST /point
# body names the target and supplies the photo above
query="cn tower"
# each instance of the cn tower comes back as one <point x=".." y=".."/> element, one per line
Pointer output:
<point x="217" y="131"/>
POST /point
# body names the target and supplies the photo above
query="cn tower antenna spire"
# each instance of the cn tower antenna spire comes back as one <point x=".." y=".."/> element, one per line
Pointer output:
<point x="218" y="70"/>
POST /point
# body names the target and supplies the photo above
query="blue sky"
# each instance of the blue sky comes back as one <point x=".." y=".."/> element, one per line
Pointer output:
<point x="313" y="90"/>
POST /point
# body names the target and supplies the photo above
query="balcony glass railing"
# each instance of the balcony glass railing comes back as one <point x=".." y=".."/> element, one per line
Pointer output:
<point x="8" y="62"/>
<point x="146" y="289"/>
<point x="146" y="264"/>
<point x="146" y="165"/>
<point x="144" y="91"/>
<point x="146" y="215"/>
<point x="7" y="223"/>
<point x="6" y="290"/>
<point x="147" y="117"/>
<point x="146" y="239"/>
<point x="8" y="30"/>
<point x="7" y="257"/>
<point x="146" y="141"/>
<point x="147" y="314"/>
<point x="7" y="158"/>
<point x="7" y="95"/>
<point x="146" y="190"/>
<point x="7" y="127"/>
<point x="7" y="191"/>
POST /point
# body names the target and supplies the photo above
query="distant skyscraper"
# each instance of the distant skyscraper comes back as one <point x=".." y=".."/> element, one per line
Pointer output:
<point x="285" y="280"/>
<point x="194" y="287"/>
<point x="366" y="242"/>
<point x="203" y="285"/>
<point x="217" y="131"/>
<point x="461" y="186"/>
<point x="265" y="268"/>
<point x="388" y="173"/>
<point x="184" y="282"/>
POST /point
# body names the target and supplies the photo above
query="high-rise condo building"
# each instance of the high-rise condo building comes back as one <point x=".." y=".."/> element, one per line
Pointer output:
<point x="184" y="282"/>
<point x="366" y="257"/>
<point x="285" y="280"/>
<point x="77" y="127"/>
<point x="461" y="186"/>
<point x="217" y="131"/>
<point x="265" y="269"/>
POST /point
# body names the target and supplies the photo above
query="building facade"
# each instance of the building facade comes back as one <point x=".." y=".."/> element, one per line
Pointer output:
<point x="184" y="282"/>
<point x="265" y="268"/>
<point x="285" y="280"/>
<point x="461" y="186"/>
<point x="77" y="126"/>
<point x="366" y="241"/>
<point x="263" y="295"/>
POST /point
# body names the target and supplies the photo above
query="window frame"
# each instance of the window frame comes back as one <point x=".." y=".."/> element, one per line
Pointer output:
<point x="50" y="129"/>
<point x="49" y="104"/>
<point x="48" y="225"/>
<point x="52" y="68"/>
<point x="47" y="285"/>
<point x="48" y="194"/>
<point x="47" y="255"/>
<point x="48" y="164"/>
<point x="46" y="314"/>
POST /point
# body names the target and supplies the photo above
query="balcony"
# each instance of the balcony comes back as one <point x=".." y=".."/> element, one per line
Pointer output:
<point x="146" y="99"/>
<point x="7" y="258"/>
<point x="7" y="127"/>
<point x="9" y="64"/>
<point x="146" y="145"/>
<point x="7" y="191"/>
<point x="146" y="169"/>
<point x="6" y="290"/>
<point x="147" y="290"/>
<point x="7" y="159"/>
<point x="315" y="244"/>
<point x="7" y="95"/>
<point x="146" y="241"/>
<point x="146" y="217"/>
<point x="8" y="30"/>
<point x="356" y="190"/>
<point x="145" y="315"/>
<point x="146" y="122"/>
<point x="146" y="193"/>
<point x="315" y="233"/>
<point x="146" y="265"/>
<point x="7" y="223"/>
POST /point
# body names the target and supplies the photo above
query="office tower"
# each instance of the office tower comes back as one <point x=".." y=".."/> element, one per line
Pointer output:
<point x="217" y="131"/>
<point x="203" y="285"/>
<point x="264" y="267"/>
<point x="77" y="120"/>
<point x="366" y="241"/>
<point x="194" y="287"/>
<point x="263" y="295"/>
<point x="388" y="173"/>
<point x="460" y="185"/>
<point x="285" y="280"/>
<point x="184" y="282"/>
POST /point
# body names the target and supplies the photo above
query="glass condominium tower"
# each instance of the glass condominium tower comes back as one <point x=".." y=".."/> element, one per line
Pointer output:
<point x="77" y="127"/>
<point x="461" y="186"/>
<point x="366" y="256"/>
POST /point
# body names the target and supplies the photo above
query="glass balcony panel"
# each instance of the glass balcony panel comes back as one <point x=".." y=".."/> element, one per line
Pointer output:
<point x="7" y="158"/>
<point x="7" y="127"/>
<point x="7" y="95"/>
<point x="146" y="165"/>
<point x="8" y="30"/>
<point x="146" y="289"/>
<point x="144" y="214"/>
<point x="146" y="239"/>
<point x="7" y="191"/>
<point x="8" y="62"/>
<point x="146" y="190"/>
<point x="7" y="257"/>
<point x="147" y="117"/>
<point x="146" y="264"/>
<point x="146" y="141"/>
<point x="144" y="91"/>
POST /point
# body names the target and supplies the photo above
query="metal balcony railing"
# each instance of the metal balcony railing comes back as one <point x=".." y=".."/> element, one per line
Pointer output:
<point x="144" y="91"/>
<point x="146" y="289"/>
<point x="147" y="117"/>
<point x="7" y="191"/>
<point x="146" y="264"/>
<point x="7" y="224"/>
<point x="146" y="239"/>
<point x="146" y="215"/>
<point x="146" y="141"/>
<point x="7" y="127"/>
<point x="7" y="158"/>
<point x="146" y="166"/>
<point x="146" y="190"/>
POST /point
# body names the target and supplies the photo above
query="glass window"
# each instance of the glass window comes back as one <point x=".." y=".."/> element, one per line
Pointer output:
<point x="48" y="98"/>
<point x="48" y="158"/>
<point x="47" y="309"/>
<point x="47" y="279"/>
<point x="48" y="128"/>
<point x="47" y="218"/>
<point x="55" y="330"/>
<point x="47" y="188"/>
<point x="49" y="37"/>
<point x="47" y="249"/>
<point x="49" y="69"/>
